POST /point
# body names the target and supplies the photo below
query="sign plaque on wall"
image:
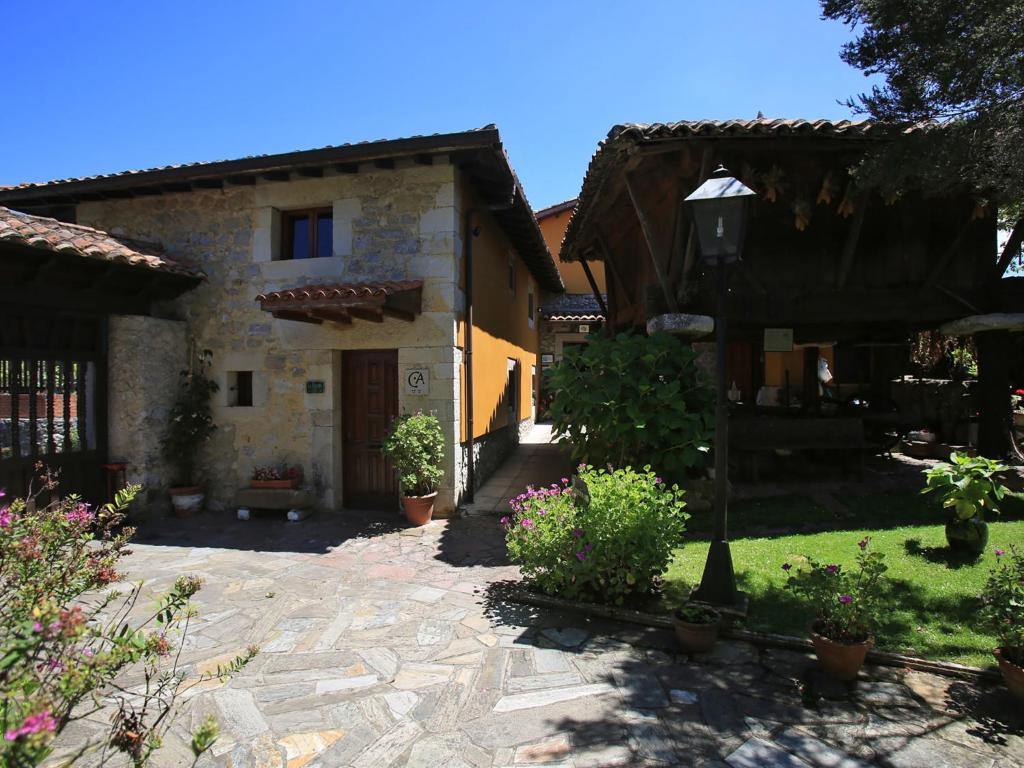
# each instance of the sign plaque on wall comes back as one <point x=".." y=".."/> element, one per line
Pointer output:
<point x="545" y="359"/>
<point x="314" y="387"/>
<point x="417" y="381"/>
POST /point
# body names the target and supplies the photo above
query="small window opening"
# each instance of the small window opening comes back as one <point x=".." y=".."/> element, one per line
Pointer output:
<point x="240" y="389"/>
<point x="307" y="234"/>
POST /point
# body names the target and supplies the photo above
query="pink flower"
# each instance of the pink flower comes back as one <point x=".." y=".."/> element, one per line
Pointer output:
<point x="578" y="533"/>
<point x="565" y="481"/>
<point x="527" y="523"/>
<point x="40" y="721"/>
<point x="505" y="520"/>
<point x="88" y="653"/>
<point x="79" y="514"/>
<point x="831" y="569"/>
<point x="844" y="599"/>
<point x="1000" y="552"/>
<point x="581" y="556"/>
<point x="6" y="517"/>
<point x="657" y="481"/>
<point x="37" y="627"/>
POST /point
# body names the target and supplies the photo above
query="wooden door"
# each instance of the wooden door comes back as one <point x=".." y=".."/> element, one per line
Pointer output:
<point x="369" y="403"/>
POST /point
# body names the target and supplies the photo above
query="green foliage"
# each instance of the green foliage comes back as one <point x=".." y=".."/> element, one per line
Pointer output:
<point x="847" y="603"/>
<point x="695" y="613"/>
<point x="949" y="60"/>
<point x="1003" y="603"/>
<point x="415" y="446"/>
<point x="67" y="636"/>
<point x="633" y="401"/>
<point x="190" y="421"/>
<point x="205" y="735"/>
<point x="608" y="545"/>
<point x="966" y="485"/>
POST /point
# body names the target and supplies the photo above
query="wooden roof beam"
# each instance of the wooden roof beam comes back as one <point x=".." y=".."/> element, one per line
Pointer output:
<point x="276" y="175"/>
<point x="850" y="244"/>
<point x="310" y="173"/>
<point x="301" y="317"/>
<point x="373" y="316"/>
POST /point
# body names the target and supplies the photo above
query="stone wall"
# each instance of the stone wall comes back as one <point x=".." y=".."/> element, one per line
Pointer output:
<point x="389" y="224"/>
<point x="145" y="355"/>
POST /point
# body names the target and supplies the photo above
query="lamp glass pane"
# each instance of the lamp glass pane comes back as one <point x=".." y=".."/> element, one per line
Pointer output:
<point x="719" y="227"/>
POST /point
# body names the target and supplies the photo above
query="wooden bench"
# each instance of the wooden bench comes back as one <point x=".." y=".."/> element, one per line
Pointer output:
<point x="759" y="435"/>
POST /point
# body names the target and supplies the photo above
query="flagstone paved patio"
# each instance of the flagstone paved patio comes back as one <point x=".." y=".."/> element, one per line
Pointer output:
<point x="386" y="646"/>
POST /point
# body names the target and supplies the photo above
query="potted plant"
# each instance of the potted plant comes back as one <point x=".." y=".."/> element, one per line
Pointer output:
<point x="696" y="626"/>
<point x="190" y="423"/>
<point x="276" y="478"/>
<point x="1017" y="400"/>
<point x="1003" y="611"/>
<point x="415" y="446"/>
<point x="968" y="489"/>
<point x="846" y="605"/>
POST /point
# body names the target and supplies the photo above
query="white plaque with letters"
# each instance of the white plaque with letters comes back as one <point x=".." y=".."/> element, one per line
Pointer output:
<point x="417" y="381"/>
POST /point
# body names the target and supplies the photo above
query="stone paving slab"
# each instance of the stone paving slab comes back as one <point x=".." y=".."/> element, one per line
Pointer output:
<point x="386" y="646"/>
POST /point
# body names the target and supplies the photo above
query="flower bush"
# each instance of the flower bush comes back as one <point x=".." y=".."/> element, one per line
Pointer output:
<point x="415" y="446"/>
<point x="66" y="635"/>
<point x="846" y="603"/>
<point x="281" y="472"/>
<point x="634" y="400"/>
<point x="966" y="485"/>
<point x="1003" y="604"/>
<point x="608" y="541"/>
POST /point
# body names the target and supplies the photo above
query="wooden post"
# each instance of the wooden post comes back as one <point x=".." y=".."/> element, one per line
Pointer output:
<point x="811" y="397"/>
<point x="654" y="246"/>
<point x="994" y="411"/>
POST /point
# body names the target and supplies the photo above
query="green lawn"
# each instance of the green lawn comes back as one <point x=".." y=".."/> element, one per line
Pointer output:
<point x="933" y="597"/>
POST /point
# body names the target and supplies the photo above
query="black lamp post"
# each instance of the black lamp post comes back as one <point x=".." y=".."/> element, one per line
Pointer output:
<point x="720" y="210"/>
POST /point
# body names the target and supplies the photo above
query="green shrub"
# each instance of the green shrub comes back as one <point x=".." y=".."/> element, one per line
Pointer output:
<point x="190" y="421"/>
<point x="1003" y="604"/>
<point x="415" y="446"/>
<point x="633" y="401"/>
<point x="966" y="485"/>
<point x="608" y="545"/>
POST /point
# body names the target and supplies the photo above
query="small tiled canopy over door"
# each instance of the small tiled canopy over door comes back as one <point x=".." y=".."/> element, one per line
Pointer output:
<point x="52" y="399"/>
<point x="369" y="405"/>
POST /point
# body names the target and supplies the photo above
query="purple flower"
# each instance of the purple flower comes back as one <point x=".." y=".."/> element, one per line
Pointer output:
<point x="844" y="599"/>
<point x="565" y="481"/>
<point x="6" y="517"/>
<point x="41" y="721"/>
<point x="1000" y="552"/>
<point x="527" y="523"/>
<point x="581" y="556"/>
<point x="657" y="481"/>
<point x="588" y="547"/>
<point x="505" y="520"/>
<point x="831" y="569"/>
<point x="863" y="543"/>
<point x="88" y="653"/>
<point x="78" y="514"/>
<point x="578" y="533"/>
<point x="786" y="566"/>
<point x="542" y="511"/>
<point x="581" y="467"/>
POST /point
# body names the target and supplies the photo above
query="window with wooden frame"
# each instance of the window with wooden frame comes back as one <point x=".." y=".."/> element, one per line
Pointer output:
<point x="307" y="234"/>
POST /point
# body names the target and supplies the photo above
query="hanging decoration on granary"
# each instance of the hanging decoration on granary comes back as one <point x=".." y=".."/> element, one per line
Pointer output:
<point x="847" y="206"/>
<point x="801" y="213"/>
<point x="829" y="189"/>
<point x="891" y="195"/>
<point x="772" y="184"/>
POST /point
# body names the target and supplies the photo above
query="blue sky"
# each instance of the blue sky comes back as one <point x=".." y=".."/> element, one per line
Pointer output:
<point x="109" y="86"/>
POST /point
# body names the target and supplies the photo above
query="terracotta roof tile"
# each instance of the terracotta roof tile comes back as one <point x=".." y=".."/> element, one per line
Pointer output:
<point x="336" y="291"/>
<point x="47" y="234"/>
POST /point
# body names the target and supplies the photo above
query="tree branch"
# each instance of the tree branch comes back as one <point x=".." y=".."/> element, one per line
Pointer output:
<point x="1011" y="249"/>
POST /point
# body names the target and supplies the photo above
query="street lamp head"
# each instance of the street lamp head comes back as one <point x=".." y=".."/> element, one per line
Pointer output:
<point x="720" y="209"/>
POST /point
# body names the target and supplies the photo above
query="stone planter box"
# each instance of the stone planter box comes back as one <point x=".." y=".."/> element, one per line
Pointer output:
<point x="274" y="484"/>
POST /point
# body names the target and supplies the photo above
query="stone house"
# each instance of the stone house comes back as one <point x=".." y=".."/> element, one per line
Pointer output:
<point x="567" y="318"/>
<point x="342" y="286"/>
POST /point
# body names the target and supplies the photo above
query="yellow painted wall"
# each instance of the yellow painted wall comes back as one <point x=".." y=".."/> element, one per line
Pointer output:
<point x="500" y="325"/>
<point x="777" y="363"/>
<point x="553" y="228"/>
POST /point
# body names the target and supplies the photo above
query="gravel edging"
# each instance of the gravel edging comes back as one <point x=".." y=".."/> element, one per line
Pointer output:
<point x="764" y="639"/>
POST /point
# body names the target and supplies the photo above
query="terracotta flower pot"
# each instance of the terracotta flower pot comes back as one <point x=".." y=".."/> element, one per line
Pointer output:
<point x="187" y="500"/>
<point x="286" y="484"/>
<point x="419" y="509"/>
<point x="695" y="638"/>
<point x="1013" y="675"/>
<point x="841" y="661"/>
